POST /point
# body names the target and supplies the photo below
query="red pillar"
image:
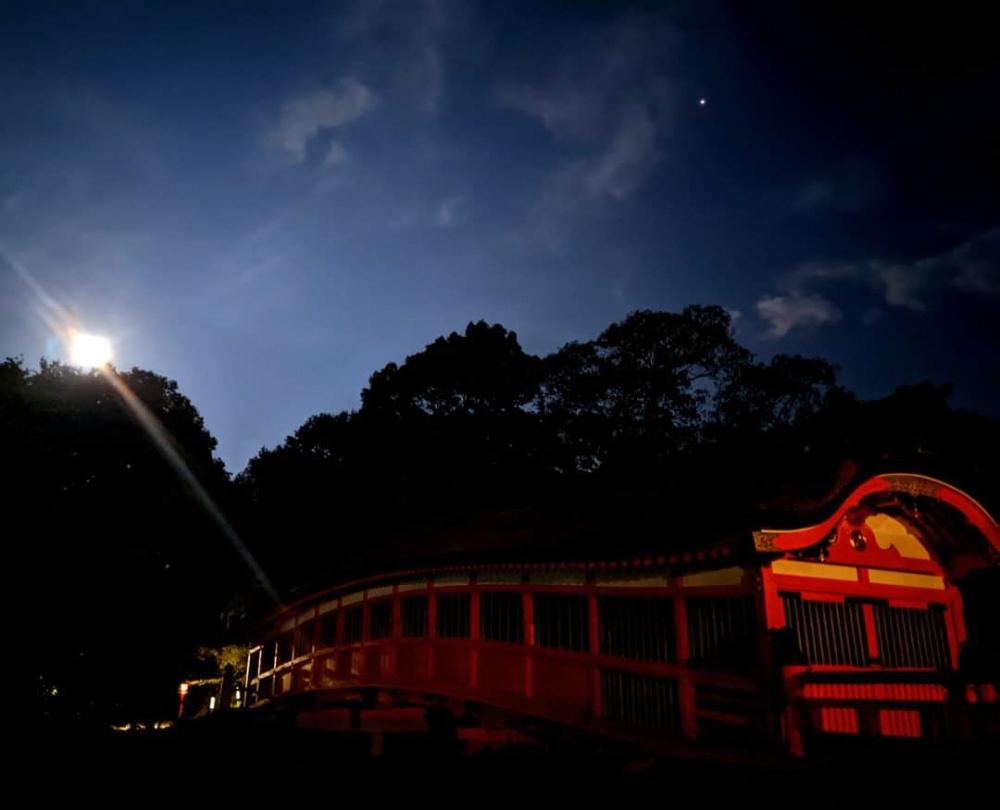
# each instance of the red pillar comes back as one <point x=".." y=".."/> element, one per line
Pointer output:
<point x="868" y="611"/>
<point x="685" y="688"/>
<point x="528" y="606"/>
<point x="474" y="639"/>
<point x="431" y="630"/>
<point x="594" y="643"/>
<point x="397" y="615"/>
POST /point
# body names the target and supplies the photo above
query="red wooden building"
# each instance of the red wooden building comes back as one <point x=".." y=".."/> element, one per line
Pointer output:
<point x="777" y="640"/>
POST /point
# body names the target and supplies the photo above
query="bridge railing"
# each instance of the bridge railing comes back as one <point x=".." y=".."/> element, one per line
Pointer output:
<point x="661" y="656"/>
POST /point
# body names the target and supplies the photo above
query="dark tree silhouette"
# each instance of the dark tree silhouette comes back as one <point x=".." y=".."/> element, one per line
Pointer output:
<point x="661" y="432"/>
<point x="447" y="434"/>
<point x="114" y="573"/>
<point x="643" y="390"/>
<point x="662" y="418"/>
<point x="481" y="373"/>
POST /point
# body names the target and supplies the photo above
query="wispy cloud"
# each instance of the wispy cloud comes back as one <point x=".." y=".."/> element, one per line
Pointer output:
<point x="609" y="106"/>
<point x="417" y="30"/>
<point x="450" y="212"/>
<point x="783" y="313"/>
<point x="305" y="117"/>
<point x="335" y="155"/>
<point x="971" y="267"/>
<point x="626" y="163"/>
<point x="568" y="110"/>
<point x="848" y="187"/>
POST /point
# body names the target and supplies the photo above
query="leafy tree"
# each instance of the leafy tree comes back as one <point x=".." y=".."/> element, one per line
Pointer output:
<point x="117" y="572"/>
<point x="483" y="372"/>
<point x="444" y="435"/>
<point x="663" y="421"/>
<point x="661" y="418"/>
<point x="644" y="389"/>
<point x="780" y="395"/>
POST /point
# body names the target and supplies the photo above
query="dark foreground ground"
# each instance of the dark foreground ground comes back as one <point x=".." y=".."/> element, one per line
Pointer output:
<point x="236" y="764"/>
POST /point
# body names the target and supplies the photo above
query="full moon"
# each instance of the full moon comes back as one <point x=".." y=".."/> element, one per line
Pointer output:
<point x="89" y="351"/>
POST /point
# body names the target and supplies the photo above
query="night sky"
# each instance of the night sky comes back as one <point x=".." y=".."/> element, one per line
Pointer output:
<point x="269" y="201"/>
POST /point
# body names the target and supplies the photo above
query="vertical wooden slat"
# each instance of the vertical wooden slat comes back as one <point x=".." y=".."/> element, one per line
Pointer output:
<point x="594" y="632"/>
<point x="528" y="608"/>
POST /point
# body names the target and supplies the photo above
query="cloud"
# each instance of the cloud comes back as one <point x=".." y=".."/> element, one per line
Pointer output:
<point x="624" y="166"/>
<point x="786" y="312"/>
<point x="849" y="187"/>
<point x="335" y="155"/>
<point x="608" y="102"/>
<point x="971" y="267"/>
<point x="569" y="112"/>
<point x="426" y="75"/>
<point x="303" y="118"/>
<point x="450" y="212"/>
<point x="416" y="31"/>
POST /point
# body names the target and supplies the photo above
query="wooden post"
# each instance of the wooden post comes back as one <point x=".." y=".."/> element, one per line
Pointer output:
<point x="594" y="644"/>
<point x="685" y="688"/>
<point x="474" y="639"/>
<point x="397" y="613"/>
<point x="431" y="630"/>
<point x="528" y="605"/>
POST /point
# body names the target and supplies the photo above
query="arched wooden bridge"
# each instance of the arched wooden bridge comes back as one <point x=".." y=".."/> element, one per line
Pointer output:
<point x="774" y="642"/>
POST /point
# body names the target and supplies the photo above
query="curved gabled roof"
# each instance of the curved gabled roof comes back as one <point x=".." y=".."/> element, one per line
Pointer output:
<point x="957" y="529"/>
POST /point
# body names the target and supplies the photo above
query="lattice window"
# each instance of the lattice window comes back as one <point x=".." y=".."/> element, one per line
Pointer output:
<point x="561" y="621"/>
<point x="328" y="629"/>
<point x="305" y="635"/>
<point x="380" y="619"/>
<point x="453" y="615"/>
<point x="414" y="616"/>
<point x="501" y="617"/>
<point x="634" y="627"/>
<point x="639" y="701"/>
<point x="909" y="637"/>
<point x="722" y="631"/>
<point x="353" y="624"/>
<point x="828" y="632"/>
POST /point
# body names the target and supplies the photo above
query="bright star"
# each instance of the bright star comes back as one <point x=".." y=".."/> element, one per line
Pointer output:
<point x="702" y="101"/>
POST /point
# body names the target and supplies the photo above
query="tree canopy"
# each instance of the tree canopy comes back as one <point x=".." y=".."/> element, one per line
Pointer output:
<point x="661" y="416"/>
<point x="662" y="430"/>
<point x="114" y="571"/>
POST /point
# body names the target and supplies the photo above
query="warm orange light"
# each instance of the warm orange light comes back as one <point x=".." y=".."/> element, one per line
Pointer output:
<point x="182" y="690"/>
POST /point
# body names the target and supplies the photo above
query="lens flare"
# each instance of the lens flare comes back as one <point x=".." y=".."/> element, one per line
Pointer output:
<point x="94" y="351"/>
<point x="89" y="351"/>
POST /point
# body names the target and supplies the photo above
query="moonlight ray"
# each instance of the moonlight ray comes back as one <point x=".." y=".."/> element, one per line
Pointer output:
<point x="161" y="438"/>
<point x="97" y="349"/>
